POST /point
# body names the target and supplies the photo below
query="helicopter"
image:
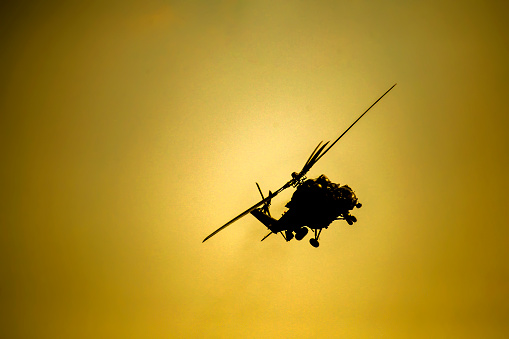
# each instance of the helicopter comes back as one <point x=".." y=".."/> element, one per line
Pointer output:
<point x="314" y="205"/>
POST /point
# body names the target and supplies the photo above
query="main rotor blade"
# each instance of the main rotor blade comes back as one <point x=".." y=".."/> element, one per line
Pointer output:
<point x="272" y="195"/>
<point x="312" y="154"/>
<point x="313" y="158"/>
<point x="359" y="118"/>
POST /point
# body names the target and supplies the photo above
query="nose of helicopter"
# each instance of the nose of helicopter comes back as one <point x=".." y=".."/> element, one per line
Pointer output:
<point x="347" y="194"/>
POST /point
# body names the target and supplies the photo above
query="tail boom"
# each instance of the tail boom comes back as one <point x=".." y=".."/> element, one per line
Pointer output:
<point x="268" y="221"/>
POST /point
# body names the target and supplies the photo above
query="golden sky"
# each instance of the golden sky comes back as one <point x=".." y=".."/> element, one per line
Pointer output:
<point x="130" y="130"/>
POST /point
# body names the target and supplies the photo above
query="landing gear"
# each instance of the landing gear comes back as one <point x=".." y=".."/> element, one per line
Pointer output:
<point x="314" y="241"/>
<point x="301" y="233"/>
<point x="350" y="219"/>
<point x="288" y="235"/>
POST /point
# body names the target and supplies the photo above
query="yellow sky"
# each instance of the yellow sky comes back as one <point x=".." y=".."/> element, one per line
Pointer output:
<point x="130" y="130"/>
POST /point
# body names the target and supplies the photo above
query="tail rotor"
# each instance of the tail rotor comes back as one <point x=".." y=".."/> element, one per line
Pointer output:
<point x="266" y="204"/>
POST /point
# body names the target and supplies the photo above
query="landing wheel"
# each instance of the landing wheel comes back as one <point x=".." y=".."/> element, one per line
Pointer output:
<point x="314" y="242"/>
<point x="289" y="235"/>
<point x="349" y="221"/>
<point x="301" y="233"/>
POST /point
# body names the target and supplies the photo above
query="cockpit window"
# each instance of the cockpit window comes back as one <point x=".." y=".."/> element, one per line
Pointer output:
<point x="347" y="193"/>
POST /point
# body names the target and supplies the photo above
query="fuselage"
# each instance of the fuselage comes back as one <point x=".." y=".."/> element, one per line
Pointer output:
<point x="315" y="204"/>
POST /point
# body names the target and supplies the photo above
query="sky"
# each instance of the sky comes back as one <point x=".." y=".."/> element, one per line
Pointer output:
<point x="130" y="130"/>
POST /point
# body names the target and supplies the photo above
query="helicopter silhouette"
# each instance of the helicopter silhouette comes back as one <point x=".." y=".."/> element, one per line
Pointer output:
<point x="314" y="205"/>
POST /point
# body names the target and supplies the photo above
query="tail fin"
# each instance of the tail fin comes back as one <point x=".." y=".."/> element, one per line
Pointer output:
<point x="263" y="214"/>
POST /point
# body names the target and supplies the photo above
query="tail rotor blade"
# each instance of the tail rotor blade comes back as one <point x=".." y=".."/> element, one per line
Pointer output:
<point x="266" y="205"/>
<point x="265" y="237"/>
<point x="259" y="190"/>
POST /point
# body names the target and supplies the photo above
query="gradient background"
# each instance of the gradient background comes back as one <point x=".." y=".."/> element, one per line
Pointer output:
<point x="130" y="130"/>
